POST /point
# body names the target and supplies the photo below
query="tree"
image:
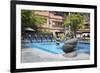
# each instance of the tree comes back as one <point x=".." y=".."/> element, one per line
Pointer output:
<point x="30" y="19"/>
<point x="75" y="21"/>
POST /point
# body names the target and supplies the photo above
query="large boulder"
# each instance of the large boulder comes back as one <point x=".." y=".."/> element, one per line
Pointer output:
<point x="71" y="41"/>
<point x="70" y="54"/>
<point x="68" y="48"/>
<point x="69" y="45"/>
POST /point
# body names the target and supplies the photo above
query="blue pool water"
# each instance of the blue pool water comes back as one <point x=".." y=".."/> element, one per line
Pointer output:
<point x="83" y="48"/>
<point x="52" y="47"/>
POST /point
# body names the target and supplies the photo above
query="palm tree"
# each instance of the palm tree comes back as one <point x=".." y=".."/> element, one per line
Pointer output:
<point x="75" y="21"/>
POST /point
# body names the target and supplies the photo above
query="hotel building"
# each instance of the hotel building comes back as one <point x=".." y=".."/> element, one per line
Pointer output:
<point x="54" y="21"/>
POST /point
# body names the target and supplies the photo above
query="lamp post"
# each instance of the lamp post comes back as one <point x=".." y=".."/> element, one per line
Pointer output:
<point x="49" y="18"/>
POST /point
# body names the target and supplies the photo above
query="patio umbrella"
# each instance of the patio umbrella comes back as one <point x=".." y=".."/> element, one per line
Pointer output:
<point x="29" y="29"/>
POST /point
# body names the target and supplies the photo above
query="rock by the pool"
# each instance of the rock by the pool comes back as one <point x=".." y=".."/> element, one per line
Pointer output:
<point x="69" y="45"/>
<point x="68" y="48"/>
<point x="70" y="54"/>
<point x="71" y="41"/>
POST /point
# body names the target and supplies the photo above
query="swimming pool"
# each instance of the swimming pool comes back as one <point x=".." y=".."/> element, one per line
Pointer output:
<point x="83" y="47"/>
<point x="52" y="47"/>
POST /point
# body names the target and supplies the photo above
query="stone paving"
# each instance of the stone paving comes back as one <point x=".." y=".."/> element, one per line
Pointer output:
<point x="29" y="55"/>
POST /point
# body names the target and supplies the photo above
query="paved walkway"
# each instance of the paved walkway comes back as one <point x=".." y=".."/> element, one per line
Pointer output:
<point x="36" y="55"/>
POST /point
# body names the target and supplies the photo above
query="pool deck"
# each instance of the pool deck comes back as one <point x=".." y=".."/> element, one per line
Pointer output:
<point x="36" y="55"/>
